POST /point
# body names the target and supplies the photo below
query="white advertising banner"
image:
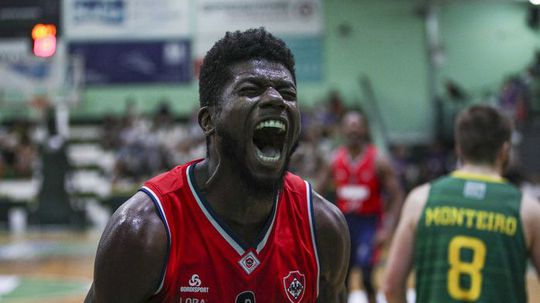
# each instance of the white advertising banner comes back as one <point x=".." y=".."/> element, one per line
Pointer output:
<point x="25" y="77"/>
<point x="283" y="16"/>
<point x="125" y="19"/>
<point x="292" y="18"/>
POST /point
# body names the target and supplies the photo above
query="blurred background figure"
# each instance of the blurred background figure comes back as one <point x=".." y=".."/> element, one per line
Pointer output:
<point x="368" y="193"/>
<point x="308" y="159"/>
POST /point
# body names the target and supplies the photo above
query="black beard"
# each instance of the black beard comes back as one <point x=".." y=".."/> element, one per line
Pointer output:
<point x="236" y="151"/>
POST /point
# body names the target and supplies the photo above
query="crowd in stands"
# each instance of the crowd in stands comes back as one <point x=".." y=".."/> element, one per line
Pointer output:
<point x="145" y="145"/>
<point x="519" y="94"/>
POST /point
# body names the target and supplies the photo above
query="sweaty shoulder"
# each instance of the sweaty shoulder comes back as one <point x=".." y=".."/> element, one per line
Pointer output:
<point x="414" y="204"/>
<point x="530" y="216"/>
<point x="131" y="253"/>
<point x="333" y="245"/>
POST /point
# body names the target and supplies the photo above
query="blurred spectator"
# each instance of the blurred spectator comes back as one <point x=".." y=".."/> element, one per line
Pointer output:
<point x="25" y="158"/>
<point x="307" y="161"/>
<point x="147" y="146"/>
<point x="132" y="156"/>
<point x="110" y="133"/>
<point x="191" y="143"/>
<point x="455" y="92"/>
<point x="405" y="170"/>
<point x="435" y="162"/>
<point x="514" y="99"/>
<point x="329" y="114"/>
<point x="18" y="153"/>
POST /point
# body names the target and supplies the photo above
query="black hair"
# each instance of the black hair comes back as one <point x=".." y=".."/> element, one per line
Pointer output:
<point x="239" y="47"/>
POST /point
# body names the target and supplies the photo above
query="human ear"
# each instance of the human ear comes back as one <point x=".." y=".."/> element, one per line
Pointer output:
<point x="205" y="121"/>
<point x="504" y="153"/>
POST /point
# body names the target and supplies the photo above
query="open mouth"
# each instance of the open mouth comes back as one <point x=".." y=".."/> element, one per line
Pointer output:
<point x="269" y="138"/>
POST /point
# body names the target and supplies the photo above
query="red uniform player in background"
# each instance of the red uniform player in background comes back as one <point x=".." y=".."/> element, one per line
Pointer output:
<point x="367" y="192"/>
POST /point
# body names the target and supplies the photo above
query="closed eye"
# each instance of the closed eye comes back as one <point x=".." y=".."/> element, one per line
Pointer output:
<point x="249" y="91"/>
<point x="288" y="94"/>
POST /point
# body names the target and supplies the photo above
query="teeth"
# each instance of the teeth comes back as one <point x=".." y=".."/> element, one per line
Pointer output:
<point x="271" y="123"/>
<point x="268" y="158"/>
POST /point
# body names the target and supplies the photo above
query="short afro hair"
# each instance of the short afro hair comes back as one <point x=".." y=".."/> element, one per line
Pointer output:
<point x="238" y="47"/>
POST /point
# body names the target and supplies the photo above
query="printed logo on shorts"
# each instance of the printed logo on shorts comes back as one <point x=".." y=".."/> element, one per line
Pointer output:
<point x="294" y="284"/>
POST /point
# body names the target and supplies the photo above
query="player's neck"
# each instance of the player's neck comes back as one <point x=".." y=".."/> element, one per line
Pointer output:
<point x="356" y="150"/>
<point x="230" y="197"/>
<point x="245" y="211"/>
<point x="480" y="169"/>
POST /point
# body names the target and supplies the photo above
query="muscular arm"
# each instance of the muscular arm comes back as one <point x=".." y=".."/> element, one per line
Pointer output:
<point x="333" y="246"/>
<point x="131" y="254"/>
<point x="530" y="214"/>
<point x="400" y="256"/>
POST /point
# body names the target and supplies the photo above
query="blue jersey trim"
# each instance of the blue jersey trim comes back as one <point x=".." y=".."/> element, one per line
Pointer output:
<point x="313" y="226"/>
<point x="159" y="209"/>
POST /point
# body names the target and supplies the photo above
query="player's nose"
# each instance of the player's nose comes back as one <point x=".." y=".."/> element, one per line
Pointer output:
<point x="272" y="98"/>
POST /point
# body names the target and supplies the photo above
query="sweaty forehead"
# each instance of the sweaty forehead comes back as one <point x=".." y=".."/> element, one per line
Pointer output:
<point x="260" y="70"/>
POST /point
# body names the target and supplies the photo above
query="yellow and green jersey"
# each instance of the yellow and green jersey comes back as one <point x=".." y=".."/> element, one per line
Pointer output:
<point x="470" y="245"/>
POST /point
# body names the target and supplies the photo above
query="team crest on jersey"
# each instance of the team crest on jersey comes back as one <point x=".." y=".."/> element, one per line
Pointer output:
<point x="249" y="262"/>
<point x="295" y="284"/>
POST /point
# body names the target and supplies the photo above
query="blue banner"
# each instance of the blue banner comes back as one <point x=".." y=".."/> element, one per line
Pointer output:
<point x="135" y="62"/>
<point x="308" y="54"/>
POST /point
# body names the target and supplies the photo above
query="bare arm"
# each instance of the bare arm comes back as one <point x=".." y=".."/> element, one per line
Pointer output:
<point x="391" y="186"/>
<point x="131" y="254"/>
<point x="530" y="214"/>
<point x="400" y="256"/>
<point x="333" y="245"/>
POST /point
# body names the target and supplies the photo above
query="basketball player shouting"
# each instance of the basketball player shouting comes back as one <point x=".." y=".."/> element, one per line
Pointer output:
<point x="234" y="226"/>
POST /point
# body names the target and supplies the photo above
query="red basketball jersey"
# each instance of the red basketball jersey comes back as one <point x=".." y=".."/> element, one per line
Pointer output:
<point x="357" y="184"/>
<point x="207" y="262"/>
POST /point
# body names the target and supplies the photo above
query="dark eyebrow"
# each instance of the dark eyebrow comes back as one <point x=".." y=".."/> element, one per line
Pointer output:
<point x="278" y="83"/>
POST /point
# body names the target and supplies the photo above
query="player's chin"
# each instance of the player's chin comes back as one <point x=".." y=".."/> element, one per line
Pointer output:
<point x="264" y="173"/>
<point x="266" y="163"/>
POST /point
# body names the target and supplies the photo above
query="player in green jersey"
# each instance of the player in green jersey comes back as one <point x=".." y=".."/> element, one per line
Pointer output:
<point x="469" y="234"/>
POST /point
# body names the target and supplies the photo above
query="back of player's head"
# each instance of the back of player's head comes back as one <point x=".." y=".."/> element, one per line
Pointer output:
<point x="238" y="47"/>
<point x="480" y="133"/>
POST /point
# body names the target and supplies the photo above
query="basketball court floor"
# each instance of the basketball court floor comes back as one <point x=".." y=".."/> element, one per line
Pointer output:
<point x="57" y="266"/>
